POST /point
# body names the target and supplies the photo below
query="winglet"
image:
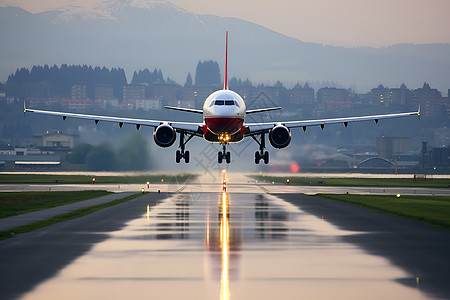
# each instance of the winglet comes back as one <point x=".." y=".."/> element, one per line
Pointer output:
<point x="225" y="72"/>
<point x="418" y="112"/>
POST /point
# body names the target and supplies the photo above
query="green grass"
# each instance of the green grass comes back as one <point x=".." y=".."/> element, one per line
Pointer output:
<point x="375" y="182"/>
<point x="431" y="210"/>
<point x="87" y="179"/>
<point x="62" y="217"/>
<point x="16" y="203"/>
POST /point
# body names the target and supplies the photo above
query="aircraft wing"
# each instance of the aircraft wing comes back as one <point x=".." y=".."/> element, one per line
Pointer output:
<point x="197" y="111"/>
<point x="192" y="128"/>
<point x="252" y="111"/>
<point x="257" y="128"/>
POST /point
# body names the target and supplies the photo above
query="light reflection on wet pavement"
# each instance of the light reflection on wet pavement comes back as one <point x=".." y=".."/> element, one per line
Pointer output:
<point x="227" y="246"/>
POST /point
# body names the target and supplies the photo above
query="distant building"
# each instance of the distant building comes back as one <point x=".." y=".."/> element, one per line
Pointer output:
<point x="53" y="140"/>
<point x="127" y="105"/>
<point x="79" y="91"/>
<point x="134" y="92"/>
<point x="167" y="92"/>
<point x="194" y="95"/>
<point x="17" y="158"/>
<point x="147" y="104"/>
<point x="301" y="95"/>
<point x="277" y="94"/>
<point x="442" y="137"/>
<point x="104" y="92"/>
<point x="387" y="147"/>
<point x="380" y="96"/>
<point x="77" y="105"/>
<point x="327" y="94"/>
<point x="441" y="157"/>
<point x="400" y="96"/>
<point x="430" y="101"/>
<point x="41" y="102"/>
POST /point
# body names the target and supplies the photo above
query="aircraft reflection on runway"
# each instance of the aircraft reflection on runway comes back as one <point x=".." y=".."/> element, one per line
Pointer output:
<point x="221" y="240"/>
<point x="225" y="245"/>
<point x="238" y="246"/>
<point x="270" y="221"/>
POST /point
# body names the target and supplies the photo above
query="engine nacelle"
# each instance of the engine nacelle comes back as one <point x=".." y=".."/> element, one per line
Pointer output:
<point x="164" y="135"/>
<point x="279" y="136"/>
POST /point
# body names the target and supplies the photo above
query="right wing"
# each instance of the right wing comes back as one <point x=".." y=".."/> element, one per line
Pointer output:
<point x="192" y="128"/>
<point x="257" y="128"/>
<point x="192" y="110"/>
<point x="252" y="111"/>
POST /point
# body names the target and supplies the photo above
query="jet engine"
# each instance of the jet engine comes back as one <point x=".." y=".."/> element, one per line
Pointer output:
<point x="279" y="136"/>
<point x="164" y="135"/>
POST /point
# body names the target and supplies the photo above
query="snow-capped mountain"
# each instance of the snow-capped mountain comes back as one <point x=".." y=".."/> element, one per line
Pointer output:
<point x="137" y="34"/>
<point x="111" y="9"/>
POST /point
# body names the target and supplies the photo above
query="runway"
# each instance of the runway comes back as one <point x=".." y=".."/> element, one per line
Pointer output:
<point x="201" y="243"/>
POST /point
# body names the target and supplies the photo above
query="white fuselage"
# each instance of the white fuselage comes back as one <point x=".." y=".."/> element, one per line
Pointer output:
<point x="224" y="112"/>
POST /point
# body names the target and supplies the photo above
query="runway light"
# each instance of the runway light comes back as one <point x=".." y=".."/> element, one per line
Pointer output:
<point x="287" y="181"/>
<point x="142" y="190"/>
<point x="148" y="184"/>
<point x="398" y="195"/>
<point x="93" y="180"/>
<point x="162" y="179"/>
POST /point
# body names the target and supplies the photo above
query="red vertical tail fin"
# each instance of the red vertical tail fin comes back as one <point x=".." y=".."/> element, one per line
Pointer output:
<point x="225" y="72"/>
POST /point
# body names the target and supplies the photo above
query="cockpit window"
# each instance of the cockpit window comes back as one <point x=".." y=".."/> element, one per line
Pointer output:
<point x="224" y="102"/>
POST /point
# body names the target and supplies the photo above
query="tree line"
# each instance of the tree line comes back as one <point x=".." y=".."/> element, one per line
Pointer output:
<point x="46" y="82"/>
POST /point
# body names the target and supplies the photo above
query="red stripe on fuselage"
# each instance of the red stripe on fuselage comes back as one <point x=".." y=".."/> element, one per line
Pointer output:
<point x="220" y="125"/>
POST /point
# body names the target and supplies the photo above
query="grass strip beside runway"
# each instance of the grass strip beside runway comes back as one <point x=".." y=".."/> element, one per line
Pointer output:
<point x="63" y="217"/>
<point x="87" y="179"/>
<point x="431" y="210"/>
<point x="17" y="203"/>
<point x="372" y="182"/>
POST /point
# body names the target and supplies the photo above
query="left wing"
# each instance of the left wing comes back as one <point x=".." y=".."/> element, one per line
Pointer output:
<point x="192" y="128"/>
<point x="257" y="128"/>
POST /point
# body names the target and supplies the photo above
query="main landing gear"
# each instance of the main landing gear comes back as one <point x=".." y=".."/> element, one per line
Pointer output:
<point x="261" y="154"/>
<point x="224" y="155"/>
<point x="183" y="154"/>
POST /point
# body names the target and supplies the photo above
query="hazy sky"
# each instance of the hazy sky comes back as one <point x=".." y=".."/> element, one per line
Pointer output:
<point x="335" y="22"/>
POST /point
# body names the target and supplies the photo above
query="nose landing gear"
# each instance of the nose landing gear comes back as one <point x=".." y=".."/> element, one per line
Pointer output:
<point x="224" y="155"/>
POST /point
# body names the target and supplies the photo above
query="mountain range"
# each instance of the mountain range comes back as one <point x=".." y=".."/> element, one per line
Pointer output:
<point x="138" y="34"/>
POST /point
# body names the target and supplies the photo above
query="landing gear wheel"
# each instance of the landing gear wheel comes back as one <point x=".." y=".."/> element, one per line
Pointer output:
<point x="257" y="157"/>
<point x="178" y="156"/>
<point x="266" y="157"/>
<point x="219" y="157"/>
<point x="228" y="157"/>
<point x="186" y="157"/>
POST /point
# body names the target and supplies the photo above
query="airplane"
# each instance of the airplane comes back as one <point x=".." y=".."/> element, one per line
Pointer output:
<point x="224" y="114"/>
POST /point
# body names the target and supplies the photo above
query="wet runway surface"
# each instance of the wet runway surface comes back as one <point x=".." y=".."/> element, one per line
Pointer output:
<point x="214" y="245"/>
